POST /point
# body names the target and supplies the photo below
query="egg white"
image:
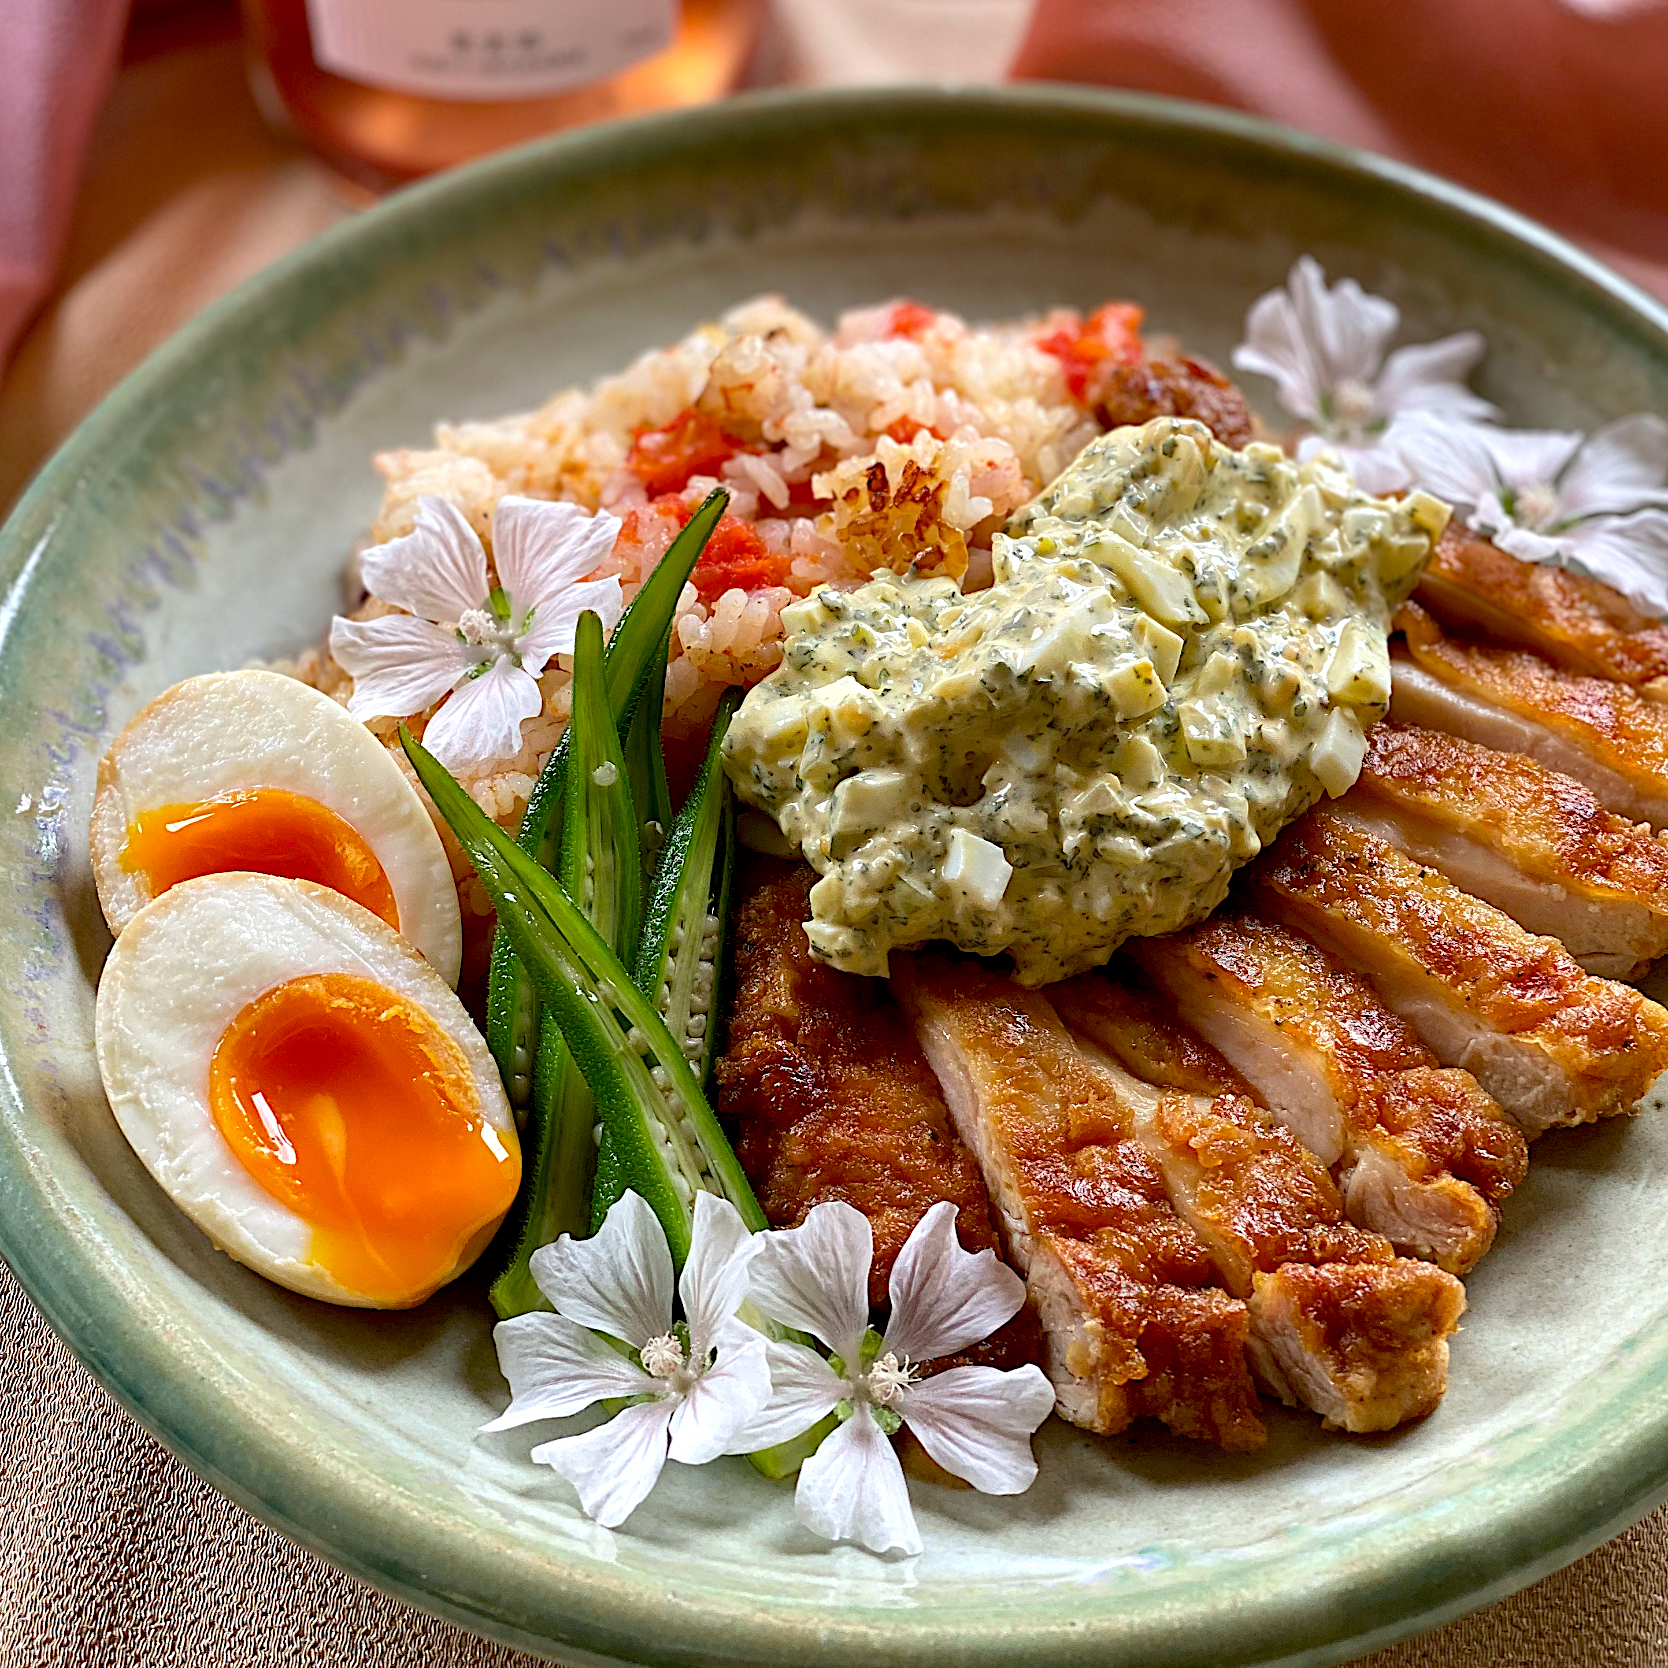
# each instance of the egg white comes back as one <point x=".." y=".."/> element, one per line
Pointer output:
<point x="184" y="967"/>
<point x="226" y="731"/>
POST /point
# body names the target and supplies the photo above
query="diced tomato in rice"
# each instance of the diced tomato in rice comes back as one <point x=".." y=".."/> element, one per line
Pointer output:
<point x="1110" y="332"/>
<point x="904" y="430"/>
<point x="691" y="444"/>
<point x="910" y="318"/>
<point x="736" y="558"/>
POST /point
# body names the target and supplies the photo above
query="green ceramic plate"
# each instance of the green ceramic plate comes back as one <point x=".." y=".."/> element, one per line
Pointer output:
<point x="200" y="517"/>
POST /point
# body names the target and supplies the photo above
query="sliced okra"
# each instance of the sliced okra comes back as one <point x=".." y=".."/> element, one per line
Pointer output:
<point x="646" y="767"/>
<point x="633" y="651"/>
<point x="681" y="949"/>
<point x="668" y="1143"/>
<point x="600" y="870"/>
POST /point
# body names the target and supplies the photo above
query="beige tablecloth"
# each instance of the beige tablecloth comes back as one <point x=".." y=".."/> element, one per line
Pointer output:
<point x="112" y="1554"/>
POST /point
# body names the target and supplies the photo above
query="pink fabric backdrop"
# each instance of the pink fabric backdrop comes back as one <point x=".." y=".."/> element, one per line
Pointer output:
<point x="1558" y="107"/>
<point x="1555" y="106"/>
<point x="56" y="59"/>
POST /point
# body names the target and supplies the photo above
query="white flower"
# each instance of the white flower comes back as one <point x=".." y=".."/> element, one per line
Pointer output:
<point x="975" y="1421"/>
<point x="1325" y="350"/>
<point x="1598" y="503"/>
<point x="698" y="1384"/>
<point x="458" y="635"/>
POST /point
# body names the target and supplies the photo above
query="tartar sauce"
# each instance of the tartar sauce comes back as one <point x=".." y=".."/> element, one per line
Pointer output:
<point x="1178" y="655"/>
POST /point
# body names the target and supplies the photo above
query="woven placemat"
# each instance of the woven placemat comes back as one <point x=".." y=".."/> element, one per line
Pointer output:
<point x="114" y="1555"/>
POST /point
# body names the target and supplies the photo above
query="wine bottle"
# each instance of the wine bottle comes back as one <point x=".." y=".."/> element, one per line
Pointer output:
<point x="386" y="90"/>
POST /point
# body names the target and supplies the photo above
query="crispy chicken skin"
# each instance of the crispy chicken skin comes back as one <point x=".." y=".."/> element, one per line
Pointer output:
<point x="1607" y="736"/>
<point x="1578" y="623"/>
<point x="1365" y="1346"/>
<point x="1526" y="839"/>
<point x="1424" y="1156"/>
<point x="1251" y="1191"/>
<point x="1125" y="1288"/>
<point x="1113" y="1186"/>
<point x="1550" y="1043"/>
<point x="1124" y="1018"/>
<point x="829" y="1090"/>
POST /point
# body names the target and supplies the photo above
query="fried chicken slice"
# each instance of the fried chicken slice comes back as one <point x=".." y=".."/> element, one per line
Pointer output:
<point x="1524" y="838"/>
<point x="1576" y="622"/>
<point x="1423" y="1155"/>
<point x="1550" y="1043"/>
<point x="1608" y="737"/>
<point x="1364" y="1345"/>
<point x="1125" y="1288"/>
<point x="833" y="1099"/>
<point x="1127" y="1021"/>
<point x="1339" y="1323"/>
<point x="1251" y="1191"/>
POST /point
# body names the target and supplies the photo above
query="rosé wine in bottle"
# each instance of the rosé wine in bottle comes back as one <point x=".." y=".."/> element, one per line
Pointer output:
<point x="386" y="90"/>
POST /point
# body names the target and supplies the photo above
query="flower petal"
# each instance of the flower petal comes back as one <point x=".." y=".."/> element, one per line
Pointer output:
<point x="1618" y="469"/>
<point x="614" y="1466"/>
<point x="1528" y="457"/>
<point x="714" y="1277"/>
<point x="481" y="723"/>
<point x="1346" y="329"/>
<point x="1309" y="339"/>
<point x="400" y="666"/>
<point x="1273" y="347"/>
<point x="1430" y="376"/>
<point x="1466" y="464"/>
<point x="618" y="1281"/>
<point x="552" y="630"/>
<point x="723" y="1402"/>
<point x="945" y="1298"/>
<point x="852" y="1489"/>
<point x="541" y="548"/>
<point x="1377" y="468"/>
<point x="438" y="570"/>
<point x="816" y="1276"/>
<point x="1629" y="552"/>
<point x="1520" y="542"/>
<point x="803" y="1387"/>
<point x="556" y="1368"/>
<point x="977" y="1423"/>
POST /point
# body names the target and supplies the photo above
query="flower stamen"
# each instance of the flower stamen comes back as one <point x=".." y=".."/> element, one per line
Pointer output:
<point x="478" y="628"/>
<point x="1536" y="505"/>
<point x="888" y="1378"/>
<point x="1355" y="412"/>
<point x="663" y="1357"/>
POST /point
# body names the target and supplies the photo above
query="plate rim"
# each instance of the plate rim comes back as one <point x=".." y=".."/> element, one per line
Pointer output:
<point x="1598" y="1501"/>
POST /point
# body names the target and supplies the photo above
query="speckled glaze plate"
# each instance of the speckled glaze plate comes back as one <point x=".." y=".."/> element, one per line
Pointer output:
<point x="200" y="517"/>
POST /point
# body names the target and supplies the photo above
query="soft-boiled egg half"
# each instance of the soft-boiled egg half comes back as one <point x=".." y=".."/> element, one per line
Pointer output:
<point x="306" y="1088"/>
<point x="256" y="771"/>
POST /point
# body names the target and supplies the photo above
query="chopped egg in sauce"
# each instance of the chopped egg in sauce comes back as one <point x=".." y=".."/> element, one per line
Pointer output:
<point x="305" y="1087"/>
<point x="255" y="771"/>
<point x="1180" y="652"/>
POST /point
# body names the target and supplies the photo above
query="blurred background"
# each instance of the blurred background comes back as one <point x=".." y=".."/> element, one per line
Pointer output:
<point x="154" y="153"/>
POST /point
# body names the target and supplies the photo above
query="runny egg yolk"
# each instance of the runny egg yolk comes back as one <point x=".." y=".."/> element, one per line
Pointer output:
<point x="349" y="1104"/>
<point x="267" y="831"/>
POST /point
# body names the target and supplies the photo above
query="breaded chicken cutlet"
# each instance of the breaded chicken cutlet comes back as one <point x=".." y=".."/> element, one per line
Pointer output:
<point x="832" y="1097"/>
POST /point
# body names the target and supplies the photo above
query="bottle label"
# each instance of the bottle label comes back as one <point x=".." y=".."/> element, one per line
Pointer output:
<point x="483" y="50"/>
